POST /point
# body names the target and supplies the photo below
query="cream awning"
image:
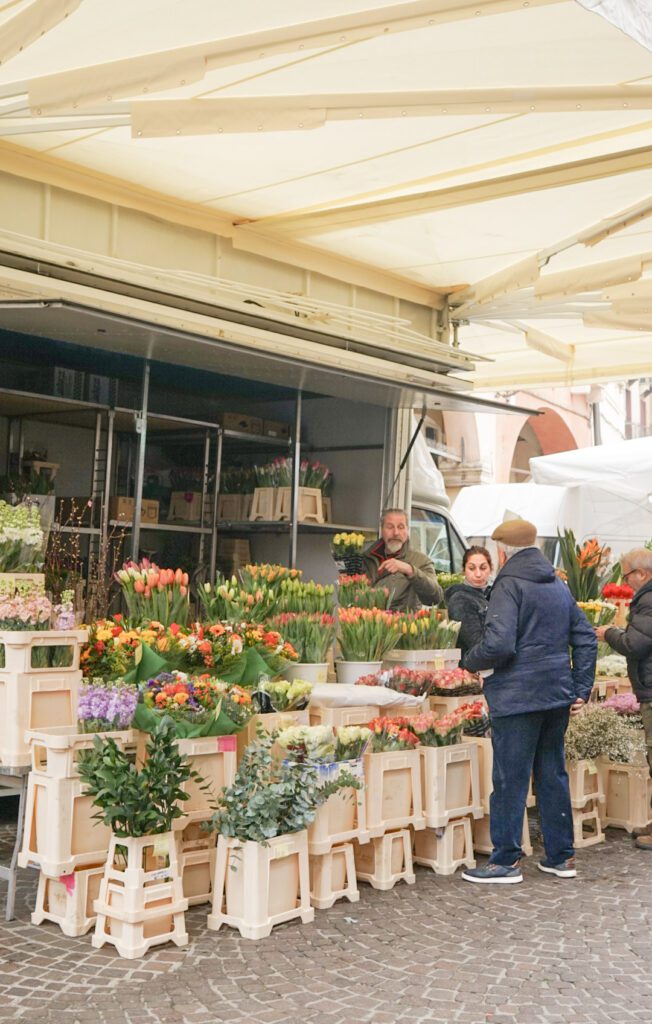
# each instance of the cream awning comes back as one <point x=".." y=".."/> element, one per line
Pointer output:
<point x="497" y="154"/>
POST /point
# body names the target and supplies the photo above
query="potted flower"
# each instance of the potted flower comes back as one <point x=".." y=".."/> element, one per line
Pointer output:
<point x="585" y="568"/>
<point x="357" y="592"/>
<point x="365" y="636"/>
<point x="24" y="608"/>
<point x="311" y="636"/>
<point x="347" y="551"/>
<point x="141" y="900"/>
<point x="426" y="641"/>
<point x="39" y="667"/>
<point x="262" y="874"/>
<point x="621" y="595"/>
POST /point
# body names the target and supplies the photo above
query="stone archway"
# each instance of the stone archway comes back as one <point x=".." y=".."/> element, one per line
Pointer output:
<point x="544" y="434"/>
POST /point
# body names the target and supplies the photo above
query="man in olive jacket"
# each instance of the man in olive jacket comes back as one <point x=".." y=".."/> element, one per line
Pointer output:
<point x="635" y="643"/>
<point x="390" y="562"/>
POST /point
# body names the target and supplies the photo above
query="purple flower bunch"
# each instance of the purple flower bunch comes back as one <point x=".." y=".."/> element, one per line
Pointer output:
<point x="623" y="704"/>
<point x="106" y="706"/>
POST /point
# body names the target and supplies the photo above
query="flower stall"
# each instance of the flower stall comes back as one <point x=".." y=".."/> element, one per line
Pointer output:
<point x="204" y="759"/>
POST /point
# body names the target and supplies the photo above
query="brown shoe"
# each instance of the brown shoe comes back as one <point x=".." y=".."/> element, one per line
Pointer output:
<point x="644" y="843"/>
<point x="638" y="832"/>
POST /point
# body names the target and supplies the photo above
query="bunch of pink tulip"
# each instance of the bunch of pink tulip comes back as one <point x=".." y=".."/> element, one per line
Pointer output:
<point x="153" y="594"/>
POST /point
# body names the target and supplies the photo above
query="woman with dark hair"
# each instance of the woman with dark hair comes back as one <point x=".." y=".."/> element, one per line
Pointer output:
<point x="467" y="602"/>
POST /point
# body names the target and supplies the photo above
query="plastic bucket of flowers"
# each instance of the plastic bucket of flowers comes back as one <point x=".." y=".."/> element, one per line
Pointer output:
<point x="449" y="768"/>
<point x="61" y="833"/>
<point x="427" y="641"/>
<point x="280" y="703"/>
<point x="311" y="636"/>
<point x="332" y="751"/>
<point x="206" y="714"/>
<point x="365" y="637"/>
<point x="104" y="709"/>
<point x="392" y="772"/>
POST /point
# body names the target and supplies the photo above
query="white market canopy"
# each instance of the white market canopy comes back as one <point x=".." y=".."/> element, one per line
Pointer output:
<point x="498" y="155"/>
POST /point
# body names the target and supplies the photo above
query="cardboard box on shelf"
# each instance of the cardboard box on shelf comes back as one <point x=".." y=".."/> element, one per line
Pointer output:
<point x="274" y="428"/>
<point x="241" y="422"/>
<point x="185" y="506"/>
<point x="148" y="511"/>
<point x="233" y="553"/>
<point x="121" y="508"/>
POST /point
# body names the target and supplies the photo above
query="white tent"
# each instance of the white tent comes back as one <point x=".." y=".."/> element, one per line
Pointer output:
<point x="625" y="467"/>
<point x="480" y="509"/>
<point x="496" y="156"/>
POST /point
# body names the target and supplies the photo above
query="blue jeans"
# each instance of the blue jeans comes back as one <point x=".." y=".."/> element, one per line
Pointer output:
<point x="522" y="745"/>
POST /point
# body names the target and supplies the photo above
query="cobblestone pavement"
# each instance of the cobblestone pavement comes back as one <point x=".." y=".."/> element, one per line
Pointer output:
<point x="545" y="952"/>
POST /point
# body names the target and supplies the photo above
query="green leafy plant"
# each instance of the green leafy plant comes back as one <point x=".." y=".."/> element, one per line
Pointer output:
<point x="273" y="798"/>
<point x="25" y="483"/>
<point x="138" y="802"/>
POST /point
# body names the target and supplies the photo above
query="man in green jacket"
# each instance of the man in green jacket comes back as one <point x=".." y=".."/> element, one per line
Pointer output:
<point x="390" y="562"/>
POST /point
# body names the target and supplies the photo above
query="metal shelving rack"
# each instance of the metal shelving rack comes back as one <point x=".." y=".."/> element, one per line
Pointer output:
<point x="110" y="423"/>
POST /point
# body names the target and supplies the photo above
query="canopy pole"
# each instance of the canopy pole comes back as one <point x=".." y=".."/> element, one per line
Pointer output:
<point x="296" y="469"/>
<point x="141" y="430"/>
<point x="405" y="458"/>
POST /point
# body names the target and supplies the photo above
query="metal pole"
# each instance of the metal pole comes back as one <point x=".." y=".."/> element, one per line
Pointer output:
<point x="204" y="494"/>
<point x="141" y="430"/>
<point x="104" y="521"/>
<point x="216" y="495"/>
<point x="296" y="468"/>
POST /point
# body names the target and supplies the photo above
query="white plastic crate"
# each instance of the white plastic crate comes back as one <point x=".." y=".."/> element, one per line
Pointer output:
<point x="332" y="877"/>
<point x="450" y="783"/>
<point x="445" y="849"/>
<point x="386" y="860"/>
<point x="257" y="887"/>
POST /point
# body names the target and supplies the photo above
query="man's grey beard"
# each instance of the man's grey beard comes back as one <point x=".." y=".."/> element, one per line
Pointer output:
<point x="392" y="546"/>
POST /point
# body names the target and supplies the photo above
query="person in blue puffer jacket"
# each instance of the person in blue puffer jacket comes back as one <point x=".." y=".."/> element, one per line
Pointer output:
<point x="541" y="651"/>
